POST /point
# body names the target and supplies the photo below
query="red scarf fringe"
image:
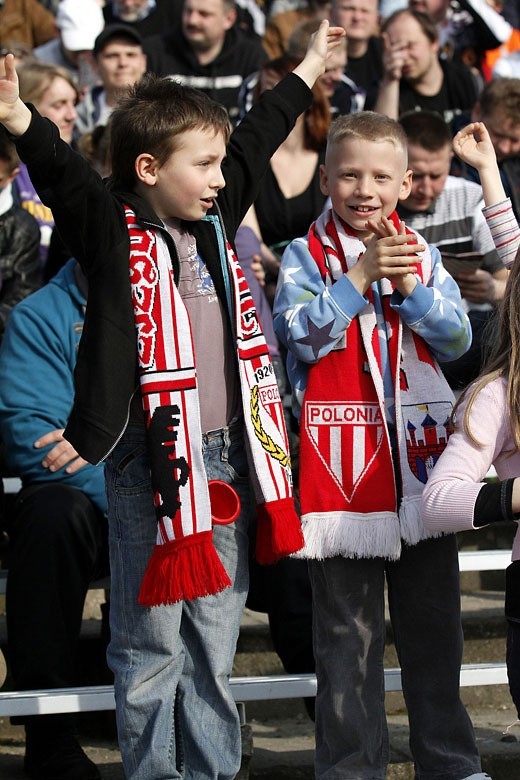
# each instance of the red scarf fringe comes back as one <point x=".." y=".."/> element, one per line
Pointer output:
<point x="279" y="532"/>
<point x="183" y="569"/>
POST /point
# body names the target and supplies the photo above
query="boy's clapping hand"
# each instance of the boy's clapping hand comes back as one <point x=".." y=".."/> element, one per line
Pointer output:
<point x="389" y="254"/>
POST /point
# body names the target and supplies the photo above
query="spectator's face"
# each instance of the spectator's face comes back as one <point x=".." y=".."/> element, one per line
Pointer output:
<point x="205" y="22"/>
<point x="364" y="180"/>
<point x="120" y="64"/>
<point x="359" y="18"/>
<point x="437" y="9"/>
<point x="334" y="71"/>
<point x="130" y="10"/>
<point x="430" y="171"/>
<point x="419" y="52"/>
<point x="185" y="185"/>
<point x="58" y="103"/>
<point x="504" y="134"/>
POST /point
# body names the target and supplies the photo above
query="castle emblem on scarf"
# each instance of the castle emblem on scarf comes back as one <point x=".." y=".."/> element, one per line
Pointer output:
<point x="265" y="398"/>
<point x="347" y="438"/>
<point x="144" y="278"/>
<point x="426" y="435"/>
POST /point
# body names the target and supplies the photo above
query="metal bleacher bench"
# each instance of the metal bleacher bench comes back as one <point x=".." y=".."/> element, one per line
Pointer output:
<point x="284" y="686"/>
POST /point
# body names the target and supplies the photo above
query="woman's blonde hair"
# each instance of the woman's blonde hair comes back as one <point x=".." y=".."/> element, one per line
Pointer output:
<point x="35" y="78"/>
<point x="503" y="359"/>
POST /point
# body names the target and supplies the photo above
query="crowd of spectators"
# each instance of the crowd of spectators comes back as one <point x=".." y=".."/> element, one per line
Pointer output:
<point x="433" y="64"/>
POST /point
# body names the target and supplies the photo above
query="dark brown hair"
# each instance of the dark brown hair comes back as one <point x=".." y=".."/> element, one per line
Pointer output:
<point x="426" y="129"/>
<point x="501" y="95"/>
<point x="8" y="151"/>
<point x="155" y="112"/>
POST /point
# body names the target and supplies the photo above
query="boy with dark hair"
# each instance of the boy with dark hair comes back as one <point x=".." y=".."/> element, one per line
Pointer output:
<point x="20" y="268"/>
<point x="365" y="308"/>
<point x="155" y="248"/>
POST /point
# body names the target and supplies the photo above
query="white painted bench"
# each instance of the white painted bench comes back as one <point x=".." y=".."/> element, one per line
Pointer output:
<point x="285" y="686"/>
<point x="282" y="686"/>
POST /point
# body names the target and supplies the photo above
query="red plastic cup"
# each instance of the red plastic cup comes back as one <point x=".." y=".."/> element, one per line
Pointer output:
<point x="225" y="502"/>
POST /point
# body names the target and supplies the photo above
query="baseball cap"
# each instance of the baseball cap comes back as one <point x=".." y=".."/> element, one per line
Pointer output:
<point x="79" y="22"/>
<point x="116" y="31"/>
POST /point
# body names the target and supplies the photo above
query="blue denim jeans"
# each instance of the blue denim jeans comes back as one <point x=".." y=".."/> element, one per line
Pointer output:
<point x="175" y="713"/>
<point x="349" y="640"/>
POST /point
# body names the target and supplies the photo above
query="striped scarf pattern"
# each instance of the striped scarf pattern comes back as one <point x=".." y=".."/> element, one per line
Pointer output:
<point x="357" y="498"/>
<point x="184" y="563"/>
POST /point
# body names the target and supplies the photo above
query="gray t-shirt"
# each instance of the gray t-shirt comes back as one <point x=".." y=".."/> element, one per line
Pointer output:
<point x="217" y="374"/>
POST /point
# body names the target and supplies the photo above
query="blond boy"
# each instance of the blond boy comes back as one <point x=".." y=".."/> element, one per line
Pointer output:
<point x="366" y="309"/>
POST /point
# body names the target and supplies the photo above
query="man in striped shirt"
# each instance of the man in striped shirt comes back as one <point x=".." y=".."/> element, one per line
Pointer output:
<point x="447" y="211"/>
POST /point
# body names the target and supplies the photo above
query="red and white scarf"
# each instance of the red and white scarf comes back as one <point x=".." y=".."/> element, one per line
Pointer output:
<point x="348" y="487"/>
<point x="185" y="563"/>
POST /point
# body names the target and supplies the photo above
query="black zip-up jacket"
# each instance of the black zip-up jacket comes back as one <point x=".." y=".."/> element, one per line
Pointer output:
<point x="163" y="16"/>
<point x="91" y="220"/>
<point x="20" y="264"/>
<point x="171" y="55"/>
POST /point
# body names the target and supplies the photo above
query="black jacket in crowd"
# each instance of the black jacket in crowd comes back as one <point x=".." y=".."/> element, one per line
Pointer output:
<point x="171" y="55"/>
<point x="20" y="264"/>
<point x="91" y="219"/>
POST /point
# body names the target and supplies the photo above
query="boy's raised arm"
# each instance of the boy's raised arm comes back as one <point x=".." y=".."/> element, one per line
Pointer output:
<point x="321" y="45"/>
<point x="14" y="114"/>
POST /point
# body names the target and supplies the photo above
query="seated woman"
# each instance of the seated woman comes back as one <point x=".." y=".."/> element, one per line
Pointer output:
<point x="53" y="92"/>
<point x="290" y="197"/>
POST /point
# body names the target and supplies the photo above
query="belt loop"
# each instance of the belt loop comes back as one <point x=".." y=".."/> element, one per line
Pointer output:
<point x="226" y="444"/>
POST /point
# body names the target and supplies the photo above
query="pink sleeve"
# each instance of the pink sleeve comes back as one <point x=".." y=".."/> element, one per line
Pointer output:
<point x="449" y="497"/>
<point x="504" y="230"/>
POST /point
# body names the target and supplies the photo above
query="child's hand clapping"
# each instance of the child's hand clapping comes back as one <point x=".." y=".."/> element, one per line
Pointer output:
<point x="389" y="254"/>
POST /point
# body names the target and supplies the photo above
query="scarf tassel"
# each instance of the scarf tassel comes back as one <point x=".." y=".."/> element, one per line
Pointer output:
<point x="279" y="532"/>
<point x="182" y="570"/>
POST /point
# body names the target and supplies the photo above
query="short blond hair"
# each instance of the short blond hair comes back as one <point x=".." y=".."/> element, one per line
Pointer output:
<point x="368" y="126"/>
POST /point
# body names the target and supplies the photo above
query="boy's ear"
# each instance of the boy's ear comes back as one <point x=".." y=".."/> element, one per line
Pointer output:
<point x="406" y="185"/>
<point x="324" y="180"/>
<point x="146" y="167"/>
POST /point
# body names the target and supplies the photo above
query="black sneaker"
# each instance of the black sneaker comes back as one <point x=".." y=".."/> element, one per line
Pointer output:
<point x="62" y="759"/>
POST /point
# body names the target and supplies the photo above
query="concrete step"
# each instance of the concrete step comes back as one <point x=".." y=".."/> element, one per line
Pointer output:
<point x="278" y="738"/>
<point x="284" y="749"/>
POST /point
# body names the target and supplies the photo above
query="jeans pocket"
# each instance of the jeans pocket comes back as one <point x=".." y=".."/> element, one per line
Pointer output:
<point x="131" y="470"/>
<point x="237" y="465"/>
